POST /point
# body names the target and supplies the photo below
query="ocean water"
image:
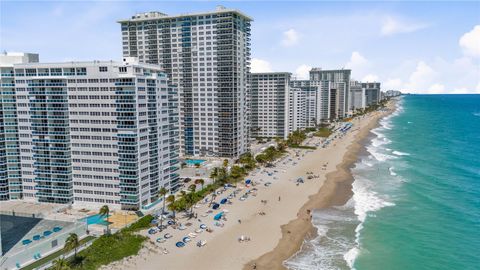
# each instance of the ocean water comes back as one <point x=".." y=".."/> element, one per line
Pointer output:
<point x="416" y="202"/>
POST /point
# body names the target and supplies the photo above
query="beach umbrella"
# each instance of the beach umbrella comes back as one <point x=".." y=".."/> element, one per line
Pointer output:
<point x="203" y="226"/>
<point x="215" y="206"/>
<point x="224" y="201"/>
<point x="47" y="233"/>
<point x="186" y="239"/>
<point x="180" y="244"/>
<point x="248" y="181"/>
<point x="36" y="237"/>
<point x="218" y="216"/>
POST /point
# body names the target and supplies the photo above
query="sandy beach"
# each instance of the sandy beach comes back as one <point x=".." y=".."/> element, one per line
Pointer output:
<point x="280" y="232"/>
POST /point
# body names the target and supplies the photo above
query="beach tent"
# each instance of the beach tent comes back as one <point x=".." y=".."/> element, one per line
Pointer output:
<point x="248" y="181"/>
<point x="224" y="201"/>
<point x="180" y="244"/>
<point x="215" y="206"/>
<point x="218" y="216"/>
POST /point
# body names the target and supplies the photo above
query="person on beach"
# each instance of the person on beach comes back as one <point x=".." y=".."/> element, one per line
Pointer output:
<point x="279" y="198"/>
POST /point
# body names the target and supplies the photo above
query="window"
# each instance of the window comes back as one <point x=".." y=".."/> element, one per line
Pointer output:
<point x="103" y="69"/>
<point x="122" y="69"/>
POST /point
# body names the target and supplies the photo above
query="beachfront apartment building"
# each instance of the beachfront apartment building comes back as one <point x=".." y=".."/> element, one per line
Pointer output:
<point x="297" y="110"/>
<point x="363" y="95"/>
<point x="95" y="133"/>
<point x="270" y="100"/>
<point x="357" y="96"/>
<point x="317" y="95"/>
<point x="372" y="93"/>
<point x="207" y="55"/>
<point x="10" y="170"/>
<point x="339" y="88"/>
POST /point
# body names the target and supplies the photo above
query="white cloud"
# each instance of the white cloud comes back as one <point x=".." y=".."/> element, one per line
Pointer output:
<point x="436" y="88"/>
<point x="392" y="84"/>
<point x="392" y="26"/>
<point x="470" y="42"/>
<point x="360" y="66"/>
<point x="290" y="38"/>
<point x="356" y="61"/>
<point x="303" y="72"/>
<point x="421" y="79"/>
<point x="370" y="78"/>
<point x="259" y="65"/>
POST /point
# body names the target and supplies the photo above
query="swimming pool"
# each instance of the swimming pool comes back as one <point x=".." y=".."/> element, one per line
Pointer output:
<point x="96" y="219"/>
<point x="194" y="161"/>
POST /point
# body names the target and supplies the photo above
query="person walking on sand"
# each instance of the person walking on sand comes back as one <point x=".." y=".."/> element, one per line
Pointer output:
<point x="279" y="198"/>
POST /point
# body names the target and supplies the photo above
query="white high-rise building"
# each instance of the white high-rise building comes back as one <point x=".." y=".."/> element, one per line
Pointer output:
<point x="317" y="96"/>
<point x="10" y="171"/>
<point x="297" y="110"/>
<point x="357" y="96"/>
<point x="363" y="95"/>
<point x="207" y="55"/>
<point x="339" y="89"/>
<point x="95" y="133"/>
<point x="372" y="93"/>
<point x="270" y="95"/>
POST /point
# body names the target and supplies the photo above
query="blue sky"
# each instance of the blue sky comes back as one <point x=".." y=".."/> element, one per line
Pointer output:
<point x="421" y="47"/>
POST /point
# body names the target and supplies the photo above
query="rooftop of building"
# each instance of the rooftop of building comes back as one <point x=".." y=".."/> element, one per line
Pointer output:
<point x="271" y="73"/>
<point x="29" y="209"/>
<point x="155" y="15"/>
<point x="318" y="69"/>
<point x="126" y="61"/>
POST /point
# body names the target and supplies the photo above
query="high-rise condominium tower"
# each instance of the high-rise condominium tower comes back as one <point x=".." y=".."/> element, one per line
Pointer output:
<point x="208" y="56"/>
<point x="10" y="170"/>
<point x="95" y="133"/>
<point x="339" y="88"/>
<point x="270" y="104"/>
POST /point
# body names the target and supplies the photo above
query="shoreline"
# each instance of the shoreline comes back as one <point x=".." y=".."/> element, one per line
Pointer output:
<point x="335" y="191"/>
<point x="262" y="222"/>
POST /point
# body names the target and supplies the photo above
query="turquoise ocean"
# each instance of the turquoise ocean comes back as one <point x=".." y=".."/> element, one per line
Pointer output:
<point x="416" y="202"/>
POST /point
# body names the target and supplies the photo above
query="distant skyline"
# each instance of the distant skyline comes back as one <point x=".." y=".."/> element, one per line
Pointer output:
<point x="417" y="47"/>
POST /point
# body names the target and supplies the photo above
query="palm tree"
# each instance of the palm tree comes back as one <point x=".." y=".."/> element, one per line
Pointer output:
<point x="225" y="163"/>
<point x="162" y="192"/>
<point x="192" y="188"/>
<point x="171" y="205"/>
<point x="72" y="243"/>
<point x="214" y="174"/>
<point x="60" y="264"/>
<point x="105" y="211"/>
<point x="200" y="182"/>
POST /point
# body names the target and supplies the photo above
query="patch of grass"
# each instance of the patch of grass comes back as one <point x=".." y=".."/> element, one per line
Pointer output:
<point x="323" y="132"/>
<point x="54" y="255"/>
<point x="143" y="223"/>
<point x="107" y="249"/>
<point x="302" y="146"/>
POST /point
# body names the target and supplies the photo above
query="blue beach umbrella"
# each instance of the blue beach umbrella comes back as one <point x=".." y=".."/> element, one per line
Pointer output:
<point x="218" y="216"/>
